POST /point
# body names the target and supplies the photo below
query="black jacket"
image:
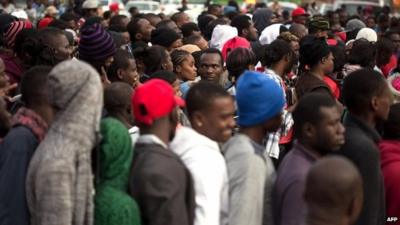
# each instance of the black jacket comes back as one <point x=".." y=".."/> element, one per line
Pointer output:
<point x="16" y="151"/>
<point x="361" y="148"/>
<point x="162" y="186"/>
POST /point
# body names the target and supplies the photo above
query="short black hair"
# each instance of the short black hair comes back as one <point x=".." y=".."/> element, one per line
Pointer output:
<point x="43" y="48"/>
<point x="202" y="94"/>
<point x="117" y="20"/>
<point x="60" y="24"/>
<point x="339" y="56"/>
<point x="312" y="50"/>
<point x="308" y="110"/>
<point x="192" y="39"/>
<point x="176" y="16"/>
<point x="117" y="98"/>
<point x="26" y="44"/>
<point x="391" y="127"/>
<point x="68" y="16"/>
<point x="152" y="57"/>
<point x="133" y="27"/>
<point x="359" y="87"/>
<point x="238" y="61"/>
<point x="118" y="28"/>
<point x="276" y="51"/>
<point x="210" y="27"/>
<point x="34" y="85"/>
<point x="384" y="50"/>
<point x="363" y="53"/>
<point x="214" y="51"/>
<point x="188" y="28"/>
<point x="165" y="75"/>
<point x="203" y="21"/>
<point x="164" y="24"/>
<point x="121" y="61"/>
<point x="241" y="22"/>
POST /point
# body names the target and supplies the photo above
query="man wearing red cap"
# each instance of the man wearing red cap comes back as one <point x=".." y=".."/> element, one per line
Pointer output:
<point x="299" y="15"/>
<point x="159" y="181"/>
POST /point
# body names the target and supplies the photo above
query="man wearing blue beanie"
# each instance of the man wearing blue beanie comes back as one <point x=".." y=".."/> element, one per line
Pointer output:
<point x="260" y="102"/>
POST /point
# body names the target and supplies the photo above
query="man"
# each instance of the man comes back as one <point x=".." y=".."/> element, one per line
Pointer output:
<point x="333" y="192"/>
<point x="319" y="28"/>
<point x="260" y="102"/>
<point x="70" y="19"/>
<point x="54" y="47"/>
<point x="299" y="16"/>
<point x="299" y="30"/>
<point x="140" y="32"/>
<point x="123" y="69"/>
<point x="90" y="8"/>
<point x="211" y="65"/>
<point x="215" y="10"/>
<point x="368" y="99"/>
<point x="169" y="24"/>
<point x="245" y="27"/>
<point x="211" y="110"/>
<point x="180" y="18"/>
<point x="117" y="103"/>
<point x="160" y="182"/>
<point x="119" y="20"/>
<point x="318" y="131"/>
<point x="394" y="36"/>
<point x="196" y="39"/>
<point x="29" y="127"/>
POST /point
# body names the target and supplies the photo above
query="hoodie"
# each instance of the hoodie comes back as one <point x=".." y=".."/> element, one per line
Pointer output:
<point x="221" y="34"/>
<point x="113" y="205"/>
<point x="205" y="162"/>
<point x="390" y="165"/>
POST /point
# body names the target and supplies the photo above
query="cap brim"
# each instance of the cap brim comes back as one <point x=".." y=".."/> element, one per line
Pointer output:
<point x="179" y="101"/>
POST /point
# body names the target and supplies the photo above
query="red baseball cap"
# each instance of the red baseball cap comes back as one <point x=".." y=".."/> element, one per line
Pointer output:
<point x="153" y="100"/>
<point x="231" y="44"/>
<point x="299" y="12"/>
<point x="114" y="7"/>
<point x="43" y="23"/>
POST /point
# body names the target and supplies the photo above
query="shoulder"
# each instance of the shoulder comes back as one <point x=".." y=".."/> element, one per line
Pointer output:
<point x="19" y="138"/>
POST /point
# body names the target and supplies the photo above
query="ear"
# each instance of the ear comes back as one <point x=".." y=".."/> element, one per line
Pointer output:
<point x="197" y="119"/>
<point x="309" y="130"/>
<point x="120" y="74"/>
<point x="138" y="36"/>
<point x="178" y="69"/>
<point x="375" y="103"/>
<point x="245" y="32"/>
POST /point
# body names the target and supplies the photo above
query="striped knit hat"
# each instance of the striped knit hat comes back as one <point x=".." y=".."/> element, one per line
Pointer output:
<point x="12" y="31"/>
<point x="95" y="44"/>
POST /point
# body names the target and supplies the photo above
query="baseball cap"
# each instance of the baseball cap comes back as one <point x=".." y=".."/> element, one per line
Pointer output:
<point x="153" y="100"/>
<point x="299" y="12"/>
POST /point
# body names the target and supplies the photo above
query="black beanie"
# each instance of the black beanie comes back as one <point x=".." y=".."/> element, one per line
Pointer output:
<point x="164" y="37"/>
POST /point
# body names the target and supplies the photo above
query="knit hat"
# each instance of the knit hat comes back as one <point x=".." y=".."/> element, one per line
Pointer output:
<point x="95" y="43"/>
<point x="164" y="37"/>
<point x="354" y="24"/>
<point x="233" y="43"/>
<point x="367" y="33"/>
<point x="319" y="24"/>
<point x="90" y="4"/>
<point x="221" y="34"/>
<point x="259" y="98"/>
<point x="394" y="86"/>
<point x="13" y="30"/>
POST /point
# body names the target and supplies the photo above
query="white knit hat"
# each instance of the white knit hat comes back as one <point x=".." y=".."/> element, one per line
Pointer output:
<point x="367" y="33"/>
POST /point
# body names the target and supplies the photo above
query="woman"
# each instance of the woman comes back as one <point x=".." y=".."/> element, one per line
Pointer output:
<point x="59" y="183"/>
<point x="151" y="60"/>
<point x="185" y="69"/>
<point x="113" y="205"/>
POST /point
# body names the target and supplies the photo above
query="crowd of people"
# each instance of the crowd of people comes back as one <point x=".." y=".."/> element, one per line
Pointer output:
<point x="256" y="116"/>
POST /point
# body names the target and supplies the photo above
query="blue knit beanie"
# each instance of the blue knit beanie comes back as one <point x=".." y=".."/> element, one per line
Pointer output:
<point x="259" y="98"/>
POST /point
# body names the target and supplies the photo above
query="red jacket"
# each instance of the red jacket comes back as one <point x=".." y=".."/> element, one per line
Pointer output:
<point x="390" y="164"/>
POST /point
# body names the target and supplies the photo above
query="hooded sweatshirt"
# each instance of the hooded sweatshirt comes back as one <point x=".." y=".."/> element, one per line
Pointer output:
<point x="205" y="162"/>
<point x="113" y="205"/>
<point x="270" y="34"/>
<point x="221" y="34"/>
<point x="262" y="19"/>
<point x="390" y="164"/>
<point x="59" y="183"/>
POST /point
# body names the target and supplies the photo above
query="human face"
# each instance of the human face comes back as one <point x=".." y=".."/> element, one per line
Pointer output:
<point x="145" y="30"/>
<point x="329" y="132"/>
<point x="202" y="43"/>
<point x="178" y="43"/>
<point x="252" y="34"/>
<point x="211" y="67"/>
<point x="184" y="18"/>
<point x="172" y="25"/>
<point x="217" y="122"/>
<point x="295" y="47"/>
<point x="177" y="88"/>
<point x="300" y="19"/>
<point x="63" y="50"/>
<point x="371" y="23"/>
<point x="167" y="64"/>
<point x="381" y="103"/>
<point x="328" y="63"/>
<point x="126" y="37"/>
<point x="395" y="38"/>
<point x="187" y="70"/>
<point x="154" y="20"/>
<point x="130" y="74"/>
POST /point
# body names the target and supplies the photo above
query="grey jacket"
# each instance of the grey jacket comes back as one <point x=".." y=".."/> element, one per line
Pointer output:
<point x="59" y="182"/>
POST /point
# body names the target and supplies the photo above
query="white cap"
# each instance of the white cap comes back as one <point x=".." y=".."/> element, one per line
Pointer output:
<point x="90" y="4"/>
<point x="20" y="14"/>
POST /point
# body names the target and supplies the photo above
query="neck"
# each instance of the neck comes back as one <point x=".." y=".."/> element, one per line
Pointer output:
<point x="366" y="117"/>
<point x="255" y="133"/>
<point x="43" y="112"/>
<point x="318" y="73"/>
<point x="326" y="219"/>
<point x="309" y="148"/>
<point x="120" y="116"/>
<point x="157" y="131"/>
<point x="278" y="69"/>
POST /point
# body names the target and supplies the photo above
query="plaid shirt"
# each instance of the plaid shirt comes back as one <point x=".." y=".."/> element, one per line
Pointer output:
<point x="272" y="139"/>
